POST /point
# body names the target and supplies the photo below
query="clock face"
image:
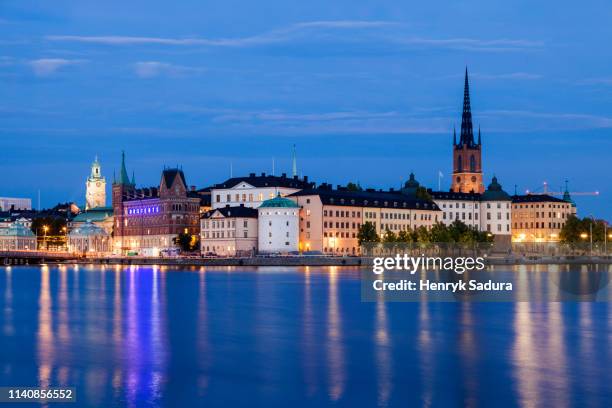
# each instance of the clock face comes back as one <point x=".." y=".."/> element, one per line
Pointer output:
<point x="98" y="184"/>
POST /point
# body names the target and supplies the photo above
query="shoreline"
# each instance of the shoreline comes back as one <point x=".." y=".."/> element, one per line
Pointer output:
<point x="327" y="261"/>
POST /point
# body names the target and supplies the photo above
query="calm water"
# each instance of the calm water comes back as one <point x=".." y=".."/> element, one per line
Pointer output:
<point x="144" y="336"/>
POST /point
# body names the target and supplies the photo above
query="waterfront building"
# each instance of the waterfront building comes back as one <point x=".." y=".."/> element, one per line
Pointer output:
<point x="539" y="217"/>
<point x="147" y="220"/>
<point x="253" y="190"/>
<point x="330" y="218"/>
<point x="229" y="231"/>
<point x="99" y="216"/>
<point x="490" y="211"/>
<point x="17" y="237"/>
<point x="89" y="238"/>
<point x="12" y="203"/>
<point x="467" y="154"/>
<point x="95" y="195"/>
<point x="278" y="225"/>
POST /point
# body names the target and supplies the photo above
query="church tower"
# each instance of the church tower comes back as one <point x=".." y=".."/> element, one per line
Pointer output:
<point x="467" y="154"/>
<point x="95" y="195"/>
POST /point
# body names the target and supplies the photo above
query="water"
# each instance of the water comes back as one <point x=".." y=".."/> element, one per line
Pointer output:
<point x="144" y="336"/>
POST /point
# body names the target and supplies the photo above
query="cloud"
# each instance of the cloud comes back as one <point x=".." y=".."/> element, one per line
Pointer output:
<point x="379" y="33"/>
<point x="48" y="66"/>
<point x="151" y="69"/>
<point x="596" y="81"/>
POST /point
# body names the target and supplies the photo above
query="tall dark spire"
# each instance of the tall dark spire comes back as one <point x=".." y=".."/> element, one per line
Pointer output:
<point x="479" y="138"/>
<point x="454" y="136"/>
<point x="467" y="130"/>
<point x="123" y="175"/>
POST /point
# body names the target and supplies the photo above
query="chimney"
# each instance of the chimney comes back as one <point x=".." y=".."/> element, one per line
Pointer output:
<point x="192" y="188"/>
<point x="306" y="178"/>
<point x="251" y="174"/>
<point x="284" y="175"/>
<point x="263" y="174"/>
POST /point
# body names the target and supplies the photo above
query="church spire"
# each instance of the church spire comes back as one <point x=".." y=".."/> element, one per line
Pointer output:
<point x="123" y="175"/>
<point x="467" y="130"/>
<point x="454" y="136"/>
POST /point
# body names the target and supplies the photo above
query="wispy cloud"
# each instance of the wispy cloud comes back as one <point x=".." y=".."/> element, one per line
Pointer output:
<point x="151" y="69"/>
<point x="596" y="81"/>
<point x="377" y="32"/>
<point x="48" y="66"/>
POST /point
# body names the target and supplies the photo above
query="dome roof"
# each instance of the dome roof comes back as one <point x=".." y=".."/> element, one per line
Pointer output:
<point x="495" y="192"/>
<point x="279" y="202"/>
<point x="88" y="230"/>
<point x="17" y="230"/>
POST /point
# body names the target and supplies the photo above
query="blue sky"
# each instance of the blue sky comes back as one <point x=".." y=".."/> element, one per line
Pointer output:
<point x="368" y="91"/>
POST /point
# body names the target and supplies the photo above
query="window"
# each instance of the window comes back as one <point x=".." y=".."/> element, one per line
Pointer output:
<point x="218" y="198"/>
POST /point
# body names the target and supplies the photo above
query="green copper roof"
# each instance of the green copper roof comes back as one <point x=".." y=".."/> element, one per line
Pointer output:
<point x="495" y="192"/>
<point x="16" y="230"/>
<point x="87" y="230"/>
<point x="94" y="214"/>
<point x="279" y="202"/>
<point x="123" y="175"/>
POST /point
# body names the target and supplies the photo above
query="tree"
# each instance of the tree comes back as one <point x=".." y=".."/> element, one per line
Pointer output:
<point x="423" y="235"/>
<point x="440" y="233"/>
<point x="367" y="233"/>
<point x="186" y="242"/>
<point x="405" y="236"/>
<point x="574" y="229"/>
<point x="389" y="236"/>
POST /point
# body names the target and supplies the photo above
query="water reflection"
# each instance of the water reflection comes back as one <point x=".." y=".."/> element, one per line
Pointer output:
<point x="203" y="342"/>
<point x="45" y="330"/>
<point x="7" y="328"/>
<point x="383" y="354"/>
<point x="335" y="345"/>
<point x="309" y="339"/>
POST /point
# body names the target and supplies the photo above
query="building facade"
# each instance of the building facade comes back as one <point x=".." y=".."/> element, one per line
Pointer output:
<point x="539" y="217"/>
<point x="17" y="237"/>
<point x="278" y="226"/>
<point x="253" y="190"/>
<point x="88" y="238"/>
<point x="229" y="231"/>
<point x="147" y="220"/>
<point x="330" y="218"/>
<point x="490" y="211"/>
<point x="95" y="195"/>
<point x="8" y="203"/>
<point x="467" y="154"/>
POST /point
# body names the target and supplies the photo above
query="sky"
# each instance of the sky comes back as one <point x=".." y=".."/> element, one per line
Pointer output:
<point x="368" y="91"/>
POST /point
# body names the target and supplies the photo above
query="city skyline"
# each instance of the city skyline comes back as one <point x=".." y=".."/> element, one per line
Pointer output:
<point x="375" y="93"/>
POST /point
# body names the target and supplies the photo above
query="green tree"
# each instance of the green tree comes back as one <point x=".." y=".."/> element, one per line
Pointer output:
<point x="423" y="235"/>
<point x="186" y="242"/>
<point x="389" y="236"/>
<point x="367" y="233"/>
<point x="440" y="233"/>
<point x="405" y="236"/>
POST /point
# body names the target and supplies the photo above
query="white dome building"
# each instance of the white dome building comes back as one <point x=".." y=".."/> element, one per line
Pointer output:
<point x="89" y="238"/>
<point x="278" y="230"/>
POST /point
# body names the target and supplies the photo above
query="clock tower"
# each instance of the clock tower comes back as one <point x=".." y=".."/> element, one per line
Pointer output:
<point x="96" y="187"/>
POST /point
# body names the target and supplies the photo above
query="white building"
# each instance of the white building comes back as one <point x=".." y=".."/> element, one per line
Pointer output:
<point x="89" y="238"/>
<point x="253" y="190"/>
<point x="229" y="231"/>
<point x="6" y="203"/>
<point x="95" y="195"/>
<point x="17" y="237"/>
<point x="490" y="211"/>
<point x="278" y="226"/>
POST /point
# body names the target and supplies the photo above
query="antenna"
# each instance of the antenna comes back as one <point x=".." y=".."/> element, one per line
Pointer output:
<point x="273" y="166"/>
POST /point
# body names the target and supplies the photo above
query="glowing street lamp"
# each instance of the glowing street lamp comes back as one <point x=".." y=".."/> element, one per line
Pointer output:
<point x="45" y="229"/>
<point x="584" y="235"/>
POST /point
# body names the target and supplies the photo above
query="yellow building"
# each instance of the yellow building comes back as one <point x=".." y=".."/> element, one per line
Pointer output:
<point x="538" y="217"/>
<point x="330" y="219"/>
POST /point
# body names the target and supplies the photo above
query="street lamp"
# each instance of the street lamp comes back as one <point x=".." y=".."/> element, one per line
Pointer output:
<point x="45" y="229"/>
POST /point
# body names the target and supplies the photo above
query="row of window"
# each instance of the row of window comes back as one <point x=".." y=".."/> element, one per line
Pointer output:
<point x="244" y="197"/>
<point x="341" y="213"/>
<point x="551" y="225"/>
<point x="541" y="206"/>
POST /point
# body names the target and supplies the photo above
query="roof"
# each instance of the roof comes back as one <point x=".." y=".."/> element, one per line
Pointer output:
<point x="87" y="230"/>
<point x="495" y="192"/>
<point x="169" y="175"/>
<point x="94" y="214"/>
<point x="536" y="198"/>
<point x="373" y="199"/>
<point x="264" y="180"/>
<point x="16" y="230"/>
<point x="279" y="202"/>
<point x="455" y="196"/>
<point x="232" y="212"/>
